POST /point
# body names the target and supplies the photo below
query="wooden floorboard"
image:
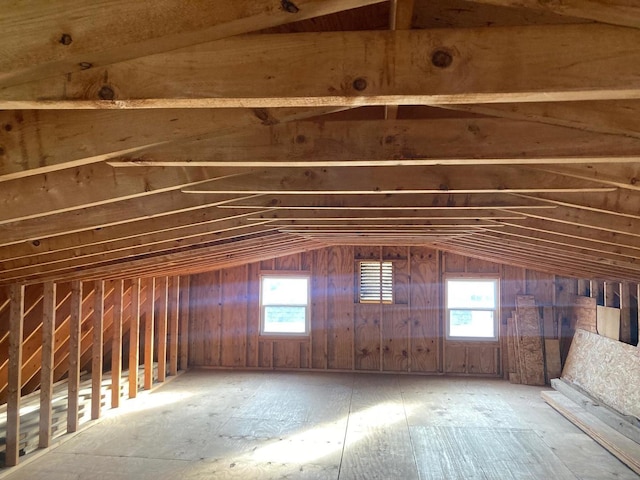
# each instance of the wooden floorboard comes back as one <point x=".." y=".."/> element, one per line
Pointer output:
<point x="262" y="425"/>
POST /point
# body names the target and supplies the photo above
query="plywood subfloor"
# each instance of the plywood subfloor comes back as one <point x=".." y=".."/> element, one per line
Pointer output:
<point x="211" y="424"/>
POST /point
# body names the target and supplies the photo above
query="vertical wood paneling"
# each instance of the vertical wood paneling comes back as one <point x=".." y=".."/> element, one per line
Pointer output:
<point x="173" y="303"/>
<point x="319" y="309"/>
<point x="477" y="265"/>
<point x="286" y="354"/>
<point x="74" y="356"/>
<point x="288" y="262"/>
<point x="116" y="342"/>
<point x="367" y="336"/>
<point x="149" y="318"/>
<point x="424" y="300"/>
<point x="234" y="317"/>
<point x="482" y="360"/>
<point x="183" y="320"/>
<point x="395" y="330"/>
<point x="253" y="314"/>
<point x="340" y="307"/>
<point x="455" y="360"/>
<point x="16" y="325"/>
<point x="134" y="338"/>
<point x="97" y="349"/>
<point x="454" y="263"/>
<point x="625" y="313"/>
<point x="163" y="299"/>
<point x="265" y="354"/>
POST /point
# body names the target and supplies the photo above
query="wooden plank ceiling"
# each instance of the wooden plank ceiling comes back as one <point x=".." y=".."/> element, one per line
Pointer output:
<point x="164" y="137"/>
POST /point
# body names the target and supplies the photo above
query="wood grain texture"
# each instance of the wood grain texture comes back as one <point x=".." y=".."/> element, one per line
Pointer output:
<point x="340" y="307"/>
<point x="606" y="369"/>
<point x="16" y="327"/>
<point x="584" y="314"/>
<point x="424" y="301"/>
<point x="234" y="317"/>
<point x="319" y="311"/>
<point x="367" y="336"/>
<point x="529" y="331"/>
<point x="48" y="360"/>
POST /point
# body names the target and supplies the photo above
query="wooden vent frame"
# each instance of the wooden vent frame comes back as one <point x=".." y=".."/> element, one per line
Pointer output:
<point x="375" y="281"/>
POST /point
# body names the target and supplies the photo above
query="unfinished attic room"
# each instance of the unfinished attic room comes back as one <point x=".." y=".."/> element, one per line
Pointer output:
<point x="320" y="239"/>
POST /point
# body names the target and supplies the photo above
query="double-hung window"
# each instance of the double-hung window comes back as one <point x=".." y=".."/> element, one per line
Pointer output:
<point x="284" y="304"/>
<point x="472" y="308"/>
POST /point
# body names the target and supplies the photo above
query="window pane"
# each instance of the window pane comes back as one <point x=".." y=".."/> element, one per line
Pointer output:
<point x="471" y="294"/>
<point x="284" y="291"/>
<point x="285" y="319"/>
<point x="471" y="323"/>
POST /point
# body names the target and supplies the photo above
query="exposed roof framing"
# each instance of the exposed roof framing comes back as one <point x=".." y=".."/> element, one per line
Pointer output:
<point x="158" y="137"/>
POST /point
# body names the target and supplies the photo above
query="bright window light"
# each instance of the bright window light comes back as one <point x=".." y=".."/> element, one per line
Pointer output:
<point x="472" y="309"/>
<point x="284" y="305"/>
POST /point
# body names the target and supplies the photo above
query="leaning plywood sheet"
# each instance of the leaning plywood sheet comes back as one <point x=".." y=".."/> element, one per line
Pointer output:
<point x="608" y="322"/>
<point x="606" y="369"/>
<point x="528" y="329"/>
<point x="625" y="449"/>
<point x="512" y="352"/>
<point x="584" y="313"/>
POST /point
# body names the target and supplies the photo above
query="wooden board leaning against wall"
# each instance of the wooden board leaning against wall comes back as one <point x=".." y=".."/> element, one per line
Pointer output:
<point x="406" y="336"/>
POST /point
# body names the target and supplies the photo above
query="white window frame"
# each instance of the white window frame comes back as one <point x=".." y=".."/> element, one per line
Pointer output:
<point x="287" y="275"/>
<point x="380" y="298"/>
<point x="496" y="310"/>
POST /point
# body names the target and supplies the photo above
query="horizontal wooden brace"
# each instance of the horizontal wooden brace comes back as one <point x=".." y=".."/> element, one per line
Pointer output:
<point x="447" y="66"/>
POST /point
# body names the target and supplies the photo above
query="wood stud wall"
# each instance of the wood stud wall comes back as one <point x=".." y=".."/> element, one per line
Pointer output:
<point x="86" y="327"/>
<point x="345" y="335"/>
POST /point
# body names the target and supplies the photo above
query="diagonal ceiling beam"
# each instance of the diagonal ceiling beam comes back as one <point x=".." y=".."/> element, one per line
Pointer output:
<point x="617" y="12"/>
<point x="91" y="185"/>
<point x="47" y="39"/>
<point x="618" y="117"/>
<point x="361" y="68"/>
<point x="34" y="141"/>
<point x="396" y="142"/>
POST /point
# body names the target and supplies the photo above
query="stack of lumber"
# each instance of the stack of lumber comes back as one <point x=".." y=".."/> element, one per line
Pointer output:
<point x="600" y="393"/>
<point x="30" y="410"/>
<point x="525" y="343"/>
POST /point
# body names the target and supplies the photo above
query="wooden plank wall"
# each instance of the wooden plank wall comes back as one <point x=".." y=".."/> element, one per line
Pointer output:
<point x="345" y="335"/>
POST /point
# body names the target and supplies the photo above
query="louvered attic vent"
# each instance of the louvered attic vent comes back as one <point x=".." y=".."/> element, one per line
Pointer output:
<point x="376" y="282"/>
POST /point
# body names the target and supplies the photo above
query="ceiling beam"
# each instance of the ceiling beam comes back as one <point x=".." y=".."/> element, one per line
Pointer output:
<point x="91" y="185"/>
<point x="35" y="141"/>
<point x="584" y="218"/>
<point x="360" y="68"/>
<point x="390" y="180"/>
<point x="153" y="244"/>
<point x="616" y="12"/>
<point x="619" y="175"/>
<point x="617" y="117"/>
<point x="94" y="222"/>
<point x="482" y="141"/>
<point x="392" y="201"/>
<point x="67" y="36"/>
<point x="172" y="225"/>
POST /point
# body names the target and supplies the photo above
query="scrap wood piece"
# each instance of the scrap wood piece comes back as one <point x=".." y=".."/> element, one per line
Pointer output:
<point x="623" y="448"/>
<point x="583" y="313"/>
<point x="512" y="351"/>
<point x="553" y="367"/>
<point x="528" y="328"/>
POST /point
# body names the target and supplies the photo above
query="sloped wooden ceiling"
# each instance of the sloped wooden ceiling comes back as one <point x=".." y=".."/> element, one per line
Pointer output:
<point x="158" y="136"/>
